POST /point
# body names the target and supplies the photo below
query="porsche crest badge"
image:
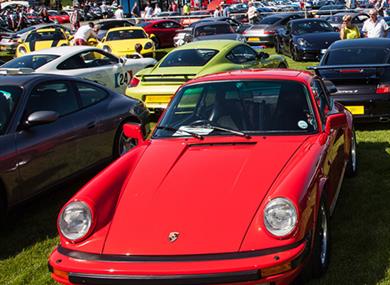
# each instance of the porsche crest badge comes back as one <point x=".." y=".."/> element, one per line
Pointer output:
<point x="173" y="236"/>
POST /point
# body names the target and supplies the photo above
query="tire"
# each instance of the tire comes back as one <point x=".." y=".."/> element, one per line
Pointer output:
<point x="3" y="208"/>
<point x="122" y="144"/>
<point x="156" y="42"/>
<point x="321" y="249"/>
<point x="277" y="47"/>
<point x="352" y="164"/>
<point x="294" y="54"/>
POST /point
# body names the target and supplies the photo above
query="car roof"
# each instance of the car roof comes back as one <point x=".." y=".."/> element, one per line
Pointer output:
<point x="23" y="79"/>
<point x="307" y="20"/>
<point x="363" y="42"/>
<point x="210" y="23"/>
<point x="63" y="50"/>
<point x="209" y="44"/>
<point x="271" y="74"/>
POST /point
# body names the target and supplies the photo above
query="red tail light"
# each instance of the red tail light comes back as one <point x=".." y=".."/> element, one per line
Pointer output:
<point x="269" y="32"/>
<point x="383" y="88"/>
<point x="134" y="82"/>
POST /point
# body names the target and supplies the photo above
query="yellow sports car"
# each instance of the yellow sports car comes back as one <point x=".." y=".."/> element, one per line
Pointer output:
<point x="42" y="39"/>
<point x="121" y="41"/>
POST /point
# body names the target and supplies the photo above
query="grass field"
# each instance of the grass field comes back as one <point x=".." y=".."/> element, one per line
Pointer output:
<point x="360" y="226"/>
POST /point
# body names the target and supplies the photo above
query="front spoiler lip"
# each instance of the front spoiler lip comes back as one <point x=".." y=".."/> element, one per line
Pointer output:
<point x="176" y="258"/>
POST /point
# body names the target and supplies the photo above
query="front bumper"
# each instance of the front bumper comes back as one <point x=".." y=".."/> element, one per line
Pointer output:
<point x="310" y="54"/>
<point x="249" y="268"/>
<point x="366" y="107"/>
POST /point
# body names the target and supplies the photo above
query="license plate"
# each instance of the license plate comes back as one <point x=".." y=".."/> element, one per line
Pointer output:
<point x="356" y="110"/>
<point x="3" y="48"/>
<point x="253" y="39"/>
<point x="158" y="99"/>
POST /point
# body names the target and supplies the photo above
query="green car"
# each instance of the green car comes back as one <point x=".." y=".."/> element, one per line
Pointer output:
<point x="156" y="85"/>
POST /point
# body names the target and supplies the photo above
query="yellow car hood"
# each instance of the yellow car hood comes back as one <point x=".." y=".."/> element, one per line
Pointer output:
<point x="126" y="45"/>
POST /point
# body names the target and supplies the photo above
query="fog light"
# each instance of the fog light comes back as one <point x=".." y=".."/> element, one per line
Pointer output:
<point x="276" y="269"/>
<point x="60" y="273"/>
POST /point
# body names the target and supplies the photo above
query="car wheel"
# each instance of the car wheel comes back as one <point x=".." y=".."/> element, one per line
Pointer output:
<point x="352" y="161"/>
<point x="156" y="42"/>
<point x="294" y="54"/>
<point x="277" y="47"/>
<point x="3" y="209"/>
<point x="321" y="248"/>
<point x="122" y="144"/>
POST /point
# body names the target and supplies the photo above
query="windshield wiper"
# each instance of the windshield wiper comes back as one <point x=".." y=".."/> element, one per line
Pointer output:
<point x="172" y="129"/>
<point x="234" y="132"/>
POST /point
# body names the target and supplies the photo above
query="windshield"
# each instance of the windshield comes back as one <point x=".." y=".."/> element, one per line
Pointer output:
<point x="336" y="19"/>
<point x="25" y="30"/>
<point x="9" y="96"/>
<point x="269" y="20"/>
<point x="249" y="107"/>
<point x="188" y="57"/>
<point x="126" y="35"/>
<point x="30" y="61"/>
<point x="358" y="55"/>
<point x="303" y="27"/>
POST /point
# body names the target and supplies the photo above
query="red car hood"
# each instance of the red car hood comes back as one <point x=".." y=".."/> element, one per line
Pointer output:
<point x="207" y="192"/>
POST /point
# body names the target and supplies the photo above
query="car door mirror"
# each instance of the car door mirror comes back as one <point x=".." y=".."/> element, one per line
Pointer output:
<point x="330" y="86"/>
<point x="335" y="121"/>
<point x="133" y="131"/>
<point x="41" y="118"/>
<point x="262" y="55"/>
<point x="122" y="60"/>
<point x="103" y="39"/>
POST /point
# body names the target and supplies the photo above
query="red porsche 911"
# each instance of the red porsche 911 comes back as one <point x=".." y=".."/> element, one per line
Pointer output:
<point x="235" y="186"/>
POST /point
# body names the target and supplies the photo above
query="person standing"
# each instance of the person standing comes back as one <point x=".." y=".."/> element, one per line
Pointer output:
<point x="135" y="10"/>
<point x="157" y="10"/>
<point x="375" y="27"/>
<point x="84" y="33"/>
<point x="75" y="18"/>
<point x="252" y="13"/>
<point x="119" y="13"/>
<point x="186" y="9"/>
<point x="348" y="30"/>
<point x="217" y="12"/>
<point x="225" y="10"/>
<point x="148" y="11"/>
<point x="104" y="10"/>
<point x="44" y="14"/>
<point x="380" y="6"/>
<point x="174" y="6"/>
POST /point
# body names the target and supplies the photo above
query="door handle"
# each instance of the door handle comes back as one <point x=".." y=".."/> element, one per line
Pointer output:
<point x="91" y="125"/>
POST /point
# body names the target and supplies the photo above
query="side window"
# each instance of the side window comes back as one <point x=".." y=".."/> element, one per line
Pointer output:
<point x="54" y="96"/>
<point x="171" y="25"/>
<point x="321" y="98"/>
<point x="87" y="60"/>
<point x="288" y="28"/>
<point x="90" y="94"/>
<point x="241" y="54"/>
<point x="159" y="26"/>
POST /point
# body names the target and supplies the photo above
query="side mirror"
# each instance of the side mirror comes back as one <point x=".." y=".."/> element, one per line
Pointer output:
<point x="187" y="38"/>
<point x="133" y="131"/>
<point x="330" y="86"/>
<point x="103" y="39"/>
<point x="262" y="55"/>
<point x="122" y="60"/>
<point x="41" y="118"/>
<point x="335" y="121"/>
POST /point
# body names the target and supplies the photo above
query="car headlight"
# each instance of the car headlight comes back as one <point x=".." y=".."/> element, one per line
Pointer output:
<point x="22" y="50"/>
<point x="280" y="217"/>
<point x="75" y="221"/>
<point x="302" y="42"/>
<point x="107" y="48"/>
<point x="148" y="45"/>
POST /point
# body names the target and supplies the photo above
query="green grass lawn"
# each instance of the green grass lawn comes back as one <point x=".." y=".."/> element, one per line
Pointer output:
<point x="360" y="226"/>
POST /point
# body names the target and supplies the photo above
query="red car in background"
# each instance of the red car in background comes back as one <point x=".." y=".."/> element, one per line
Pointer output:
<point x="163" y="30"/>
<point x="195" y="16"/>
<point x="58" y="17"/>
<point x="235" y="186"/>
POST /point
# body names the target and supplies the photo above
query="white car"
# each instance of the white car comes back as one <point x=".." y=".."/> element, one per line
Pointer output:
<point x="84" y="62"/>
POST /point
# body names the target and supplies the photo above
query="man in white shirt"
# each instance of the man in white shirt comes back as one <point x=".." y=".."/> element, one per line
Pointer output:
<point x="252" y="13"/>
<point x="375" y="27"/>
<point x="84" y="33"/>
<point x="119" y="13"/>
<point x="148" y="11"/>
<point x="157" y="10"/>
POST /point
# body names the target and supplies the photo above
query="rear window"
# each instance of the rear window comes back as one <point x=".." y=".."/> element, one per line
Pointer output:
<point x="336" y="19"/>
<point x="126" y="35"/>
<point x="269" y="20"/>
<point x="30" y="61"/>
<point x="357" y="56"/>
<point x="213" y="30"/>
<point x="189" y="57"/>
<point x="303" y="27"/>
